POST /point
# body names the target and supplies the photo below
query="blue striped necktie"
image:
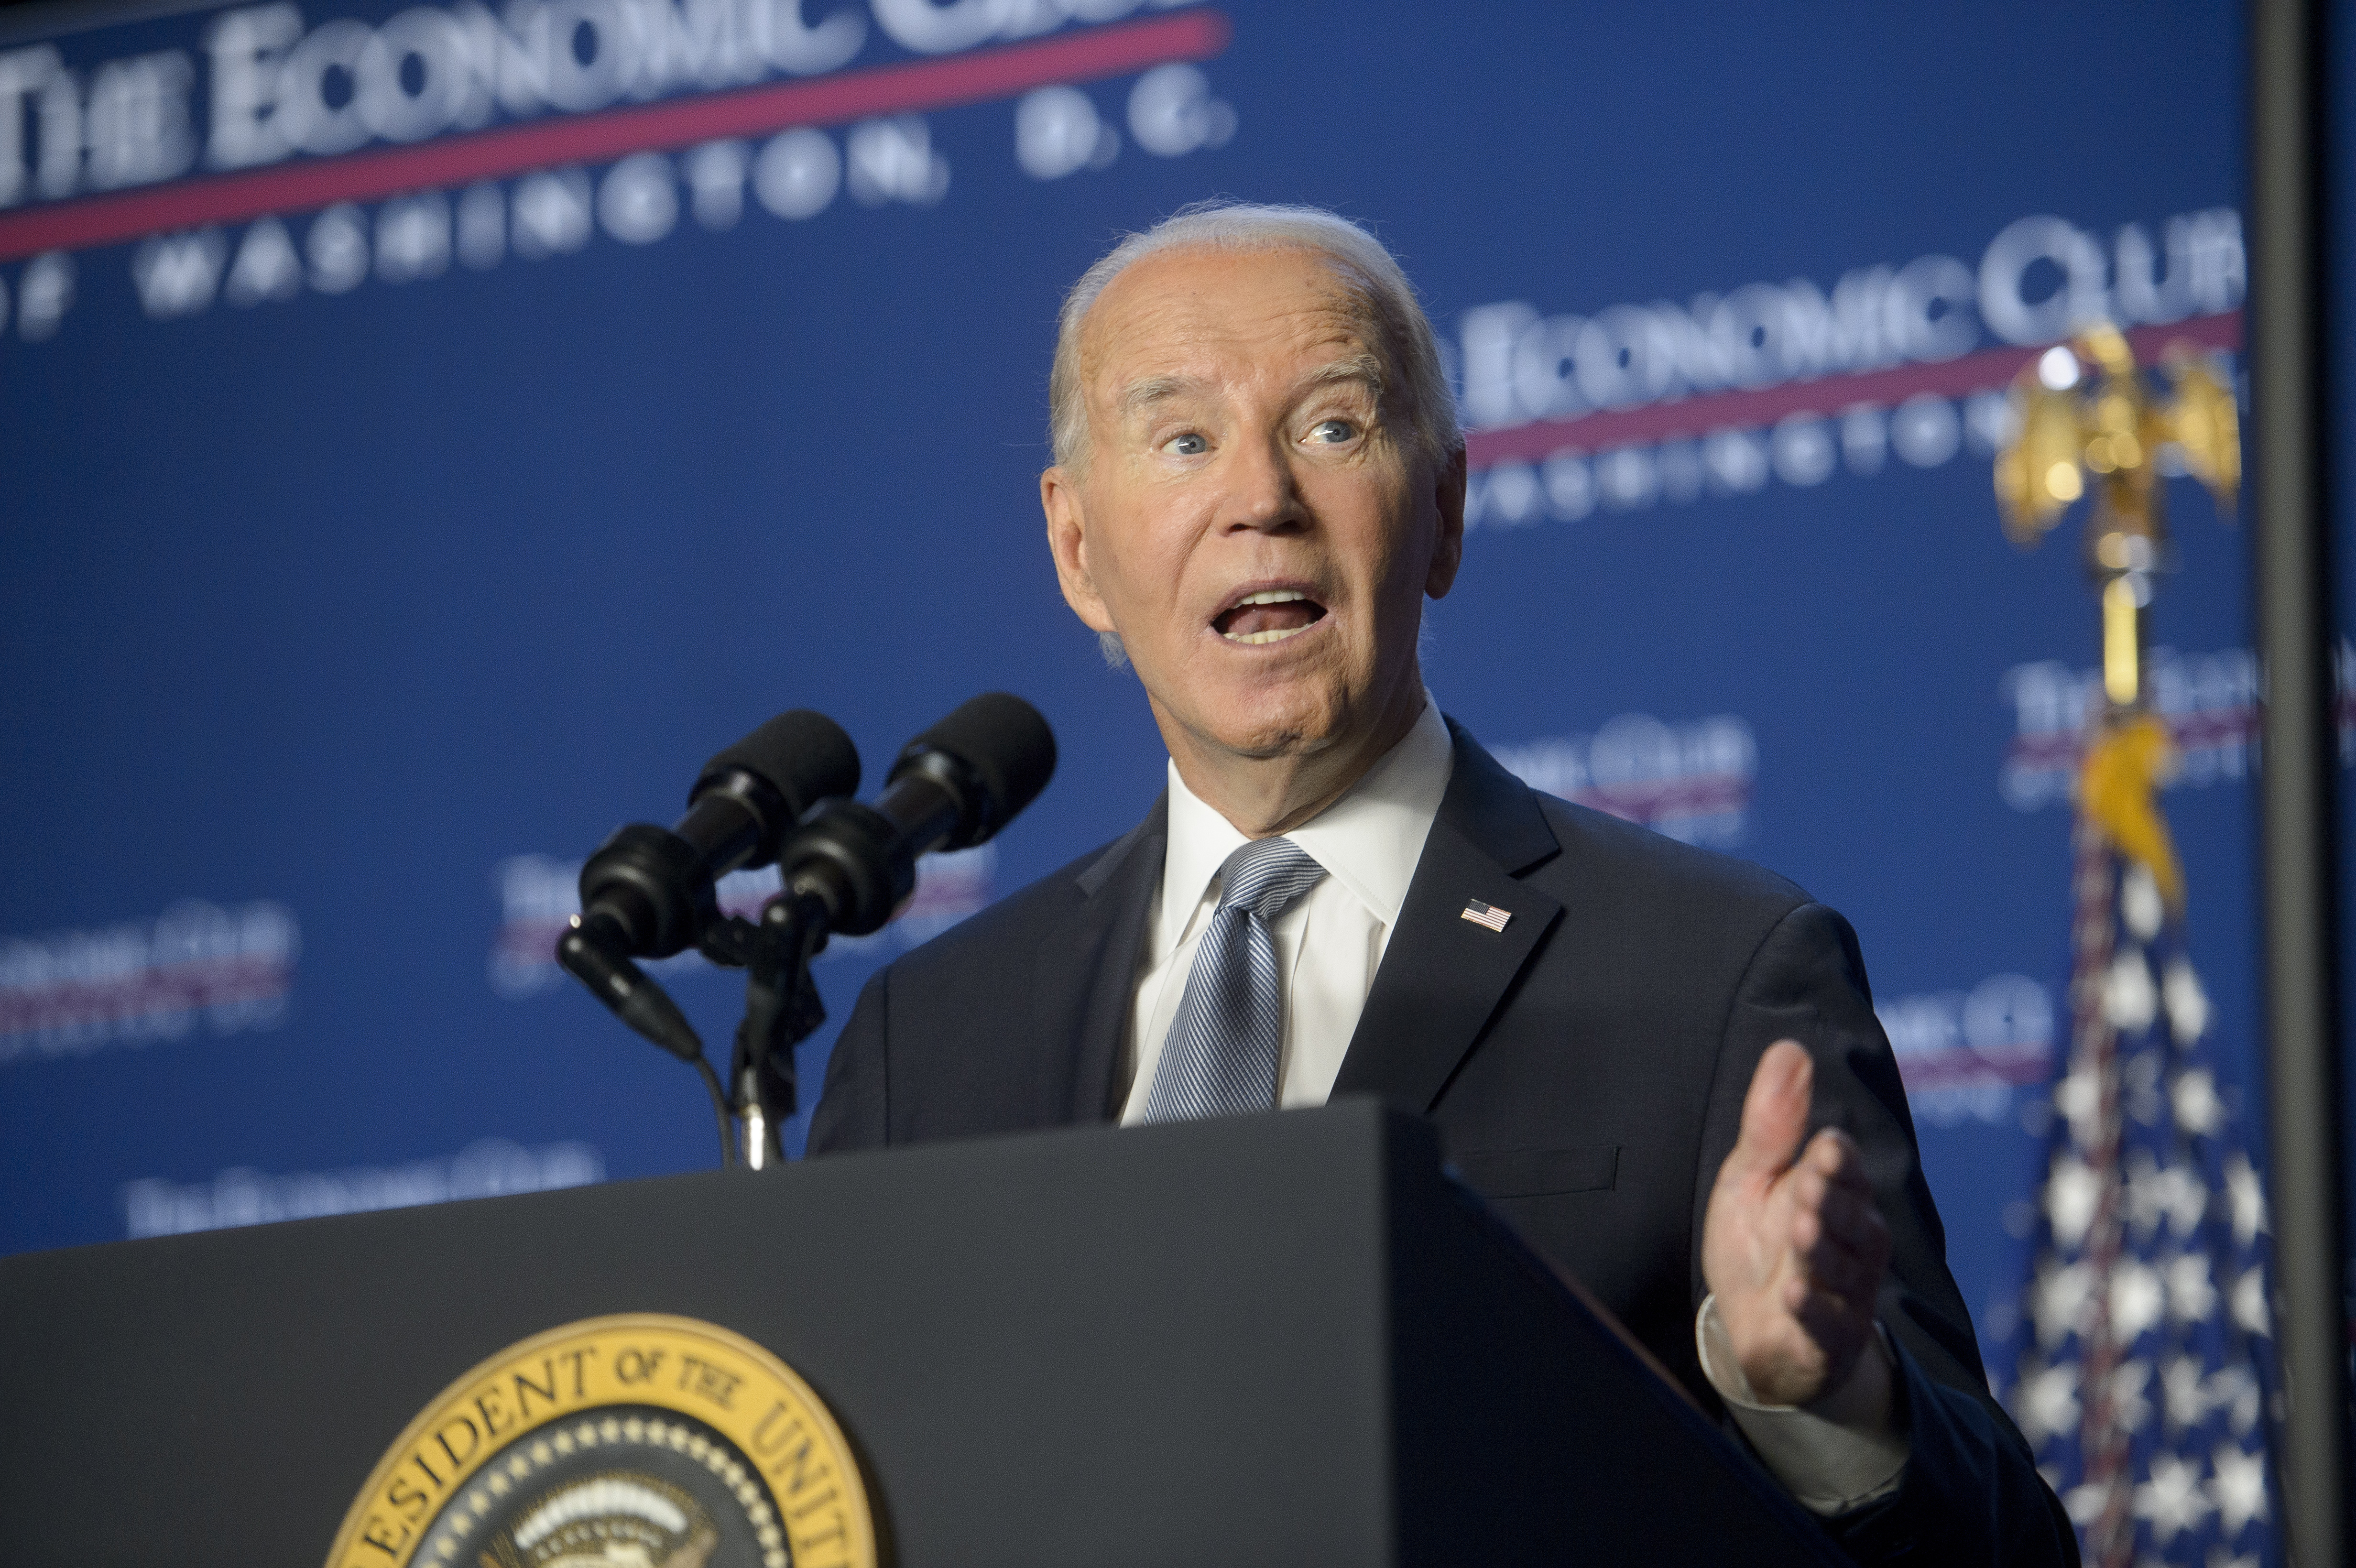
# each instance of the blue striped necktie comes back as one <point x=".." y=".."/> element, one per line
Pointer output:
<point x="1221" y="1055"/>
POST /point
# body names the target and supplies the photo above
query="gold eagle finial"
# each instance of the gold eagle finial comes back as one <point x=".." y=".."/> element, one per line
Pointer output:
<point x="2086" y="418"/>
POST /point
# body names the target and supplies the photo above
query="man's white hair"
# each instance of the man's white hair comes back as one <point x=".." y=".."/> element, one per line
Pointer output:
<point x="1414" y="384"/>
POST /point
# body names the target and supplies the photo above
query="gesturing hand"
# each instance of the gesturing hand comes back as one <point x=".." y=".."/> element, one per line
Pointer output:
<point x="1792" y="1243"/>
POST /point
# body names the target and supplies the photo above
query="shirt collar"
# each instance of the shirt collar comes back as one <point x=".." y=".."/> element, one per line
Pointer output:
<point x="1369" y="841"/>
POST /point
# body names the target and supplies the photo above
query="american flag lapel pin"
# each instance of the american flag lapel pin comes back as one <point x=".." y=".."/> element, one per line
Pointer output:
<point x="1488" y="915"/>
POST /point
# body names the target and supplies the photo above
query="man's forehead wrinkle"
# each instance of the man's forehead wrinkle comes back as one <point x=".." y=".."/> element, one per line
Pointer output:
<point x="1146" y="392"/>
<point x="1202" y="323"/>
<point x="1337" y="282"/>
<point x="1210" y="305"/>
<point x="1145" y="361"/>
<point x="1365" y="371"/>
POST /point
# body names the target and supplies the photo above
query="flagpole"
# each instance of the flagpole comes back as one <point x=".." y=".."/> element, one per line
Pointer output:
<point x="2288" y="64"/>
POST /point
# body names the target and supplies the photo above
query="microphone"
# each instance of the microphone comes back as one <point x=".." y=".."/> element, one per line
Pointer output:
<point x="648" y="891"/>
<point x="952" y="787"/>
<point x="656" y="883"/>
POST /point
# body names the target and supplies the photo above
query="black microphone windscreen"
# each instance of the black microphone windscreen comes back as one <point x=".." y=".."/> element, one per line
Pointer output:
<point x="1004" y="742"/>
<point x="804" y="755"/>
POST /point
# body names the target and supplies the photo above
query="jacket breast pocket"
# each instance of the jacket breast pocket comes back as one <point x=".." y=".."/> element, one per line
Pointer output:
<point x="1539" y="1172"/>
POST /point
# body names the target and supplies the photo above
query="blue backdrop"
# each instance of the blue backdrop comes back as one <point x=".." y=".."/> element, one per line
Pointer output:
<point x="426" y="434"/>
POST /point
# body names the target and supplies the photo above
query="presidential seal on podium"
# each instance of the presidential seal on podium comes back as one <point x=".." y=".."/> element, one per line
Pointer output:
<point x="641" y="1440"/>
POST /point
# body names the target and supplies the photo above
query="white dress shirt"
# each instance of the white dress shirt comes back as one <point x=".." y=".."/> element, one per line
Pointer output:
<point x="1329" y="945"/>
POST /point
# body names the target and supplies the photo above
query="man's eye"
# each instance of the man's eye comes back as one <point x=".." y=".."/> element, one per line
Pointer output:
<point x="1333" y="433"/>
<point x="1187" y="445"/>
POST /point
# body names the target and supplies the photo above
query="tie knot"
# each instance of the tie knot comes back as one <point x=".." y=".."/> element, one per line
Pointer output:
<point x="1266" y="876"/>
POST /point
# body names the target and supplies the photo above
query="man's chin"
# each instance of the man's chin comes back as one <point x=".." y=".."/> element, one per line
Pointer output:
<point x="1266" y="725"/>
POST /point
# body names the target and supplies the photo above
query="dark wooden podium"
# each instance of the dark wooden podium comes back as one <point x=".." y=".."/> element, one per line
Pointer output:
<point x="1271" y="1340"/>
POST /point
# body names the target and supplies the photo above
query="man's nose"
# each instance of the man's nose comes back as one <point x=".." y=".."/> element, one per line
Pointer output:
<point x="1263" y="496"/>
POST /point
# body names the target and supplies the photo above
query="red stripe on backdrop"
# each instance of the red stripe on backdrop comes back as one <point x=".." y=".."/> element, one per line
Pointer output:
<point x="1748" y="411"/>
<point x="595" y="138"/>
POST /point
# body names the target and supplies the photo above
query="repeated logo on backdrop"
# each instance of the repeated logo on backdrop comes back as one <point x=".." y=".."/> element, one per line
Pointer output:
<point x="197" y="969"/>
<point x="1965" y="1053"/>
<point x="2209" y="701"/>
<point x="455" y="137"/>
<point x="1690" y="781"/>
<point x="488" y="1168"/>
<point x="1634" y="405"/>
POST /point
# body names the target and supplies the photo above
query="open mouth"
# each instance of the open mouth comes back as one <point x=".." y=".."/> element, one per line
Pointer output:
<point x="1269" y="615"/>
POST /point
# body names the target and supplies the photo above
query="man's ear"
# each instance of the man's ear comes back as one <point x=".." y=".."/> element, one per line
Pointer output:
<point x="1067" y="541"/>
<point x="1448" y="549"/>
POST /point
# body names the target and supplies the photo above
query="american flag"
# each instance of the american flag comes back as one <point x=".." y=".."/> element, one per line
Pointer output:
<point x="2141" y="1361"/>
<point x="1490" y="916"/>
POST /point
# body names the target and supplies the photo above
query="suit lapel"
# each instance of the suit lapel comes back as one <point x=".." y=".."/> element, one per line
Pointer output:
<point x="1442" y="976"/>
<point x="1088" y="968"/>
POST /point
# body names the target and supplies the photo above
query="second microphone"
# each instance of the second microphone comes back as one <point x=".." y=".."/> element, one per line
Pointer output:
<point x="952" y="787"/>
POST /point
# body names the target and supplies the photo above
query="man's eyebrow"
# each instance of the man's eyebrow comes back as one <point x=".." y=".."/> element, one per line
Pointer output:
<point x="1364" y="368"/>
<point x="1141" y="395"/>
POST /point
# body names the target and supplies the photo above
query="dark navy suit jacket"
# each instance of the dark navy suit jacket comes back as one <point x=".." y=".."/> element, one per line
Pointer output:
<point x="1586" y="1068"/>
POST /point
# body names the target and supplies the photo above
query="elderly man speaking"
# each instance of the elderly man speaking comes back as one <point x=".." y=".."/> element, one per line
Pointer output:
<point x="1258" y="478"/>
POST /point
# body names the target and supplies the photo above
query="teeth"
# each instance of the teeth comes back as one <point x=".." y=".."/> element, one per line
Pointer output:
<point x="1269" y="596"/>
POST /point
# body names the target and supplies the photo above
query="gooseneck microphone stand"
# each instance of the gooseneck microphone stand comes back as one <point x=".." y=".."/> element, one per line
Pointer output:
<point x="843" y="865"/>
<point x="651" y="891"/>
<point x="846" y="868"/>
<point x="781" y="1010"/>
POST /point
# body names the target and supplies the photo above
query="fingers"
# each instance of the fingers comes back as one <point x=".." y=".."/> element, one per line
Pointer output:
<point x="1832" y="1173"/>
<point x="1853" y="1273"/>
<point x="1801" y="1345"/>
<point x="1836" y="1155"/>
<point x="1795" y="1244"/>
<point x="1836" y="1326"/>
<point x="1774" y="1112"/>
<point x="1842" y="1223"/>
<point x="1837" y="1241"/>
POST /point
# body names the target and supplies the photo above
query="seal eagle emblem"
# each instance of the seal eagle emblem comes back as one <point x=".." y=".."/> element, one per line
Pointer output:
<point x="639" y="1441"/>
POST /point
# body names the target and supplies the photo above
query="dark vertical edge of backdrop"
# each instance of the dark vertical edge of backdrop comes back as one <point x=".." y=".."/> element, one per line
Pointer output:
<point x="2290" y="538"/>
